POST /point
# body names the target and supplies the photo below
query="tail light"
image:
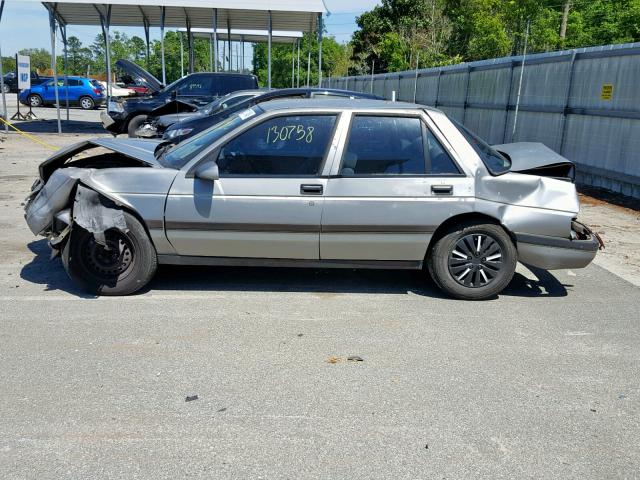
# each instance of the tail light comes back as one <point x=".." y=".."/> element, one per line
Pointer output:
<point x="97" y="91"/>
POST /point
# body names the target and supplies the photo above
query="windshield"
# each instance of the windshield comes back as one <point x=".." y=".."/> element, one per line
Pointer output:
<point x="496" y="163"/>
<point x="185" y="151"/>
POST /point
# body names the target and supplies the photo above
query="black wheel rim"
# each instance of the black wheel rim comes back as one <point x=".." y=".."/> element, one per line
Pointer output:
<point x="476" y="260"/>
<point x="110" y="262"/>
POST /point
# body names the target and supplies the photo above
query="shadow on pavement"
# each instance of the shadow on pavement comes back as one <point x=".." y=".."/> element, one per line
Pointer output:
<point x="49" y="272"/>
<point x="44" y="270"/>
<point x="51" y="126"/>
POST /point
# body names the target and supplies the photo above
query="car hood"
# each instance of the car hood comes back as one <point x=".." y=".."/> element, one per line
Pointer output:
<point x="142" y="150"/>
<point x="137" y="71"/>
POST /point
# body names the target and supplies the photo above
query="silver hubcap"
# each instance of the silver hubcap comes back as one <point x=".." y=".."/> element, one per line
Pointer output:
<point x="86" y="103"/>
<point x="35" y="101"/>
<point x="475" y="260"/>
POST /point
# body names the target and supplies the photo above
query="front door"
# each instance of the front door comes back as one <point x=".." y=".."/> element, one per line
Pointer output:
<point x="395" y="183"/>
<point x="268" y="200"/>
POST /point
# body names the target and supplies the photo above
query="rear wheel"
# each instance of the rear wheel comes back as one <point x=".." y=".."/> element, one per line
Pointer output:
<point x="126" y="264"/>
<point x="35" y="100"/>
<point x="87" y="103"/>
<point x="134" y="123"/>
<point x="473" y="261"/>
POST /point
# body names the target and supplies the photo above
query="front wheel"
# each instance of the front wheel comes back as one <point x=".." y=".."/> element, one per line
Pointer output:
<point x="126" y="264"/>
<point x="473" y="261"/>
<point x="134" y="124"/>
<point x="87" y="103"/>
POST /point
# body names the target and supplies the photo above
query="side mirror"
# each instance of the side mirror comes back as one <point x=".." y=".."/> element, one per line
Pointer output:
<point x="208" y="171"/>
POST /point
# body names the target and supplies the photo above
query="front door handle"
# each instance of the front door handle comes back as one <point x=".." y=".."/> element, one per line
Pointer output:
<point x="311" y="189"/>
<point x="442" y="189"/>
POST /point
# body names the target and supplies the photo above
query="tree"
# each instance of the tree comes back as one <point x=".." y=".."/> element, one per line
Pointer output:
<point x="334" y="60"/>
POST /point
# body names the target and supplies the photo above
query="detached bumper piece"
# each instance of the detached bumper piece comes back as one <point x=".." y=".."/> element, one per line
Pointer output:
<point x="555" y="253"/>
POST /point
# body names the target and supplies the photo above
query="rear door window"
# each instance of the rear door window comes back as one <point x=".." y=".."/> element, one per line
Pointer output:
<point x="380" y="145"/>
<point x="281" y="146"/>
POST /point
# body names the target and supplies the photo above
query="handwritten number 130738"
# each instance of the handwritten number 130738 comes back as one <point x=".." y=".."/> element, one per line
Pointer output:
<point x="286" y="133"/>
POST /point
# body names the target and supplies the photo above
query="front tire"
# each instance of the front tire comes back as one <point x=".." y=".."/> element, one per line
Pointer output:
<point x="35" y="100"/>
<point x="473" y="261"/>
<point x="126" y="266"/>
<point x="87" y="103"/>
<point x="134" y="123"/>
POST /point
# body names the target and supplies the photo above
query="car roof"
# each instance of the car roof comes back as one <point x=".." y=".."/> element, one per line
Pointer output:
<point x="340" y="104"/>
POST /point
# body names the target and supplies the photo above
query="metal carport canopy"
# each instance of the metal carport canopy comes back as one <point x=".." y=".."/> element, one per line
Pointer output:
<point x="247" y="35"/>
<point x="293" y="15"/>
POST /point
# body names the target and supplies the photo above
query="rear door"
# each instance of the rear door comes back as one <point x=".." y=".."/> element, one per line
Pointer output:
<point x="268" y="200"/>
<point x="393" y="183"/>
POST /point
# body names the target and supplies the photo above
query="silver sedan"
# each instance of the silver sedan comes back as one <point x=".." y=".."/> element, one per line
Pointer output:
<point x="322" y="183"/>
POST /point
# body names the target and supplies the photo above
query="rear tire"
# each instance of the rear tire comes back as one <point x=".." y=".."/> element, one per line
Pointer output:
<point x="87" y="103"/>
<point x="35" y="100"/>
<point x="463" y="271"/>
<point x="134" y="123"/>
<point x="127" y="266"/>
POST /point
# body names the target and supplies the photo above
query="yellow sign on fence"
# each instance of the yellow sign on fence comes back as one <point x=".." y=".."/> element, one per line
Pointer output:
<point x="607" y="92"/>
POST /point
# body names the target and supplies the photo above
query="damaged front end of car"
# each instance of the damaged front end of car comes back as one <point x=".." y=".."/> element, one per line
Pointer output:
<point x="65" y="194"/>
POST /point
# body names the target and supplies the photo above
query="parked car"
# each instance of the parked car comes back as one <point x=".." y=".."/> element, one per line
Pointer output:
<point x="197" y="89"/>
<point x="10" y="81"/>
<point x="175" y="128"/>
<point x="117" y="90"/>
<point x="159" y="120"/>
<point x="86" y="93"/>
<point x="313" y="183"/>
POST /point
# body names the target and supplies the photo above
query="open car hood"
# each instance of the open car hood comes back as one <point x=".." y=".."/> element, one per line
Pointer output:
<point x="537" y="159"/>
<point x="139" y="73"/>
<point x="141" y="150"/>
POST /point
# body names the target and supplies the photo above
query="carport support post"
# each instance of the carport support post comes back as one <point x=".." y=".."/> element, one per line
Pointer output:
<point x="298" y="79"/>
<point x="105" y="21"/>
<point x="4" y="97"/>
<point x="215" y="39"/>
<point x="63" y="33"/>
<point x="164" y="69"/>
<point x="210" y="52"/>
<point x="229" y="43"/>
<point x="242" y="48"/>
<point x="181" y="56"/>
<point x="190" y="45"/>
<point x="293" y="64"/>
<point x="52" y="25"/>
<point x="146" y="37"/>
<point x="269" y="38"/>
<point x="320" y="28"/>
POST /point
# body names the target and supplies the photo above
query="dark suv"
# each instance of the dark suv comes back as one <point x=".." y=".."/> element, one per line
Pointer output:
<point x="125" y="115"/>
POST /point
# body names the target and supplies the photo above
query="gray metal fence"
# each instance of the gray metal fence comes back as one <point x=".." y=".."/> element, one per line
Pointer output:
<point x="583" y="103"/>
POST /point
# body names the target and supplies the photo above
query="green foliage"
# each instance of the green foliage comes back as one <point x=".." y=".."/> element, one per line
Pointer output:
<point x="283" y="56"/>
<point x="393" y="34"/>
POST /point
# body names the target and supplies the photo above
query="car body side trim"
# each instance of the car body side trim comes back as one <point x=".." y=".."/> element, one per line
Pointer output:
<point x="590" y="245"/>
<point x="288" y="262"/>
<point x="297" y="228"/>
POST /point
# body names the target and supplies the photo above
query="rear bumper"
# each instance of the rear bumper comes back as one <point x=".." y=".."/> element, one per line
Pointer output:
<point x="554" y="253"/>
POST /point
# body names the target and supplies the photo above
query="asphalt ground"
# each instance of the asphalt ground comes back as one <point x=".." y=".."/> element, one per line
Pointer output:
<point x="541" y="382"/>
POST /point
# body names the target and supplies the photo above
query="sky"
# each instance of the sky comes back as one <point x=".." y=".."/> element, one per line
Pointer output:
<point x="25" y="24"/>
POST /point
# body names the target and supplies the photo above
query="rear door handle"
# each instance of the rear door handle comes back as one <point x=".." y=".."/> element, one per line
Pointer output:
<point x="311" y="189"/>
<point x="442" y="189"/>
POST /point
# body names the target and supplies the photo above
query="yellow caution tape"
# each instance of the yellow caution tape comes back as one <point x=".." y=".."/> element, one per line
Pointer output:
<point x="30" y="137"/>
